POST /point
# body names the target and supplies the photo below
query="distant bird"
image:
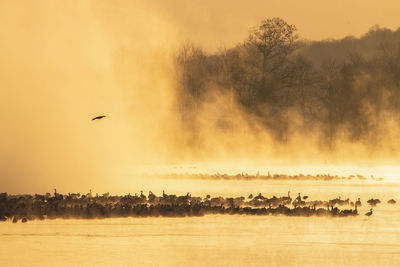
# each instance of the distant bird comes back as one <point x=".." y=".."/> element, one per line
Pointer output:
<point x="373" y="202"/>
<point x="392" y="201"/>
<point x="99" y="117"/>
<point x="369" y="213"/>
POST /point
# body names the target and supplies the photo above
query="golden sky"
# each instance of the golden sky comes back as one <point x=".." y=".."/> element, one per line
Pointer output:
<point x="219" y="22"/>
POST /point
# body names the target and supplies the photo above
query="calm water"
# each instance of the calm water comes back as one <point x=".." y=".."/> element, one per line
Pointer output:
<point x="219" y="240"/>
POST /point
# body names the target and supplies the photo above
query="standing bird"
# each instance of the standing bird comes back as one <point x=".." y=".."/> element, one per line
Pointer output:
<point x="99" y="117"/>
<point x="369" y="213"/>
<point x="358" y="202"/>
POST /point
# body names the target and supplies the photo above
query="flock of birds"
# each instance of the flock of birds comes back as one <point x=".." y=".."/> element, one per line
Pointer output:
<point x="269" y="176"/>
<point x="87" y="206"/>
<point x="173" y="201"/>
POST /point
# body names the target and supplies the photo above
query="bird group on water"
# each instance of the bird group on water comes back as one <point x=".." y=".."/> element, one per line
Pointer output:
<point x="87" y="206"/>
<point x="27" y="207"/>
<point x="269" y="176"/>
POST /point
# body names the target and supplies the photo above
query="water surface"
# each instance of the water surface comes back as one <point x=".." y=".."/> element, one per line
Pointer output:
<point x="223" y="240"/>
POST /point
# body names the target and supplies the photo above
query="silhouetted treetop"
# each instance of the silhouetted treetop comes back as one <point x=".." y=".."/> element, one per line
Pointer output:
<point x="273" y="37"/>
<point x="351" y="85"/>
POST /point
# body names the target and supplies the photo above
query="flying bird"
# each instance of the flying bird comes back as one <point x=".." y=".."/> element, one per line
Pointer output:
<point x="99" y="117"/>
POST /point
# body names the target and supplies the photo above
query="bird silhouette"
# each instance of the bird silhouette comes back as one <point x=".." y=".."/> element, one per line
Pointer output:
<point x="369" y="213"/>
<point x="392" y="201"/>
<point x="99" y="117"/>
<point x="358" y="202"/>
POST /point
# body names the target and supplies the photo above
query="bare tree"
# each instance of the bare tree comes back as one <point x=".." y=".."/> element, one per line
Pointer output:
<point x="273" y="40"/>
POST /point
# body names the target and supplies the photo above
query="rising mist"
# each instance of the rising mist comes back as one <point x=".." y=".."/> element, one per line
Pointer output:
<point x="275" y="93"/>
<point x="63" y="63"/>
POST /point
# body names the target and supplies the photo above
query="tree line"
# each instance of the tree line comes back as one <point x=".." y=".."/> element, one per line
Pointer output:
<point x="287" y="84"/>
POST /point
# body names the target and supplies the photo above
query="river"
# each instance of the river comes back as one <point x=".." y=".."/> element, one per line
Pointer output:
<point x="223" y="240"/>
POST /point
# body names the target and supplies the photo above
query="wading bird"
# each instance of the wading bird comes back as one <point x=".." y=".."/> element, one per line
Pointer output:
<point x="358" y="202"/>
<point x="369" y="213"/>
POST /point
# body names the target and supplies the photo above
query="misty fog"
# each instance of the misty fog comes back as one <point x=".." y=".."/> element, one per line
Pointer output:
<point x="64" y="63"/>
